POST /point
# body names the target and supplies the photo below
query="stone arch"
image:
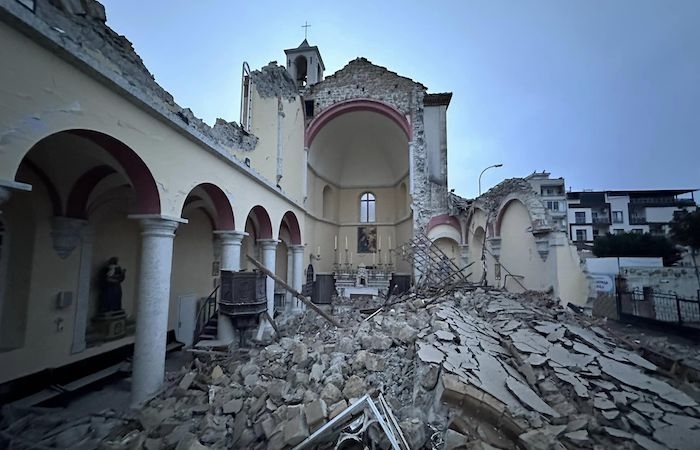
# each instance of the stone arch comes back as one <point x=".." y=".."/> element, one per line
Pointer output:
<point x="444" y="226"/>
<point x="221" y="213"/>
<point x="262" y="222"/>
<point x="135" y="169"/>
<point x="539" y="218"/>
<point x="52" y="192"/>
<point x="356" y="105"/>
<point x="289" y="220"/>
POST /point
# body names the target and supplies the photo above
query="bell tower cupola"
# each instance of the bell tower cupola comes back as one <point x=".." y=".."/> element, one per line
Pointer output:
<point x="305" y="65"/>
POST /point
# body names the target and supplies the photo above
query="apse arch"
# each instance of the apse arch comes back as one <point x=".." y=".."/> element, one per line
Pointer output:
<point x="348" y="106"/>
<point x="539" y="220"/>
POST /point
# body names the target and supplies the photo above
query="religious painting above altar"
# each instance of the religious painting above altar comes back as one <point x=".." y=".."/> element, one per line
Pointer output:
<point x="366" y="239"/>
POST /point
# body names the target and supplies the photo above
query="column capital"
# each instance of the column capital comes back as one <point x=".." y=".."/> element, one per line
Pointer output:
<point x="297" y="248"/>
<point x="5" y="194"/>
<point x="66" y="233"/>
<point x="160" y="227"/>
<point x="230" y="236"/>
<point x="268" y="244"/>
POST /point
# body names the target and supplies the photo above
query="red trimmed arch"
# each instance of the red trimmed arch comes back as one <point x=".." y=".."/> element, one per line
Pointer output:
<point x="79" y="194"/>
<point x="290" y="220"/>
<point x="224" y="219"/>
<point x="147" y="196"/>
<point x="444" y="219"/>
<point x="262" y="219"/>
<point x="356" y="105"/>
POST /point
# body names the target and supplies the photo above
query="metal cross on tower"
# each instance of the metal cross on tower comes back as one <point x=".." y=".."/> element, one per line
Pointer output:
<point x="306" y="27"/>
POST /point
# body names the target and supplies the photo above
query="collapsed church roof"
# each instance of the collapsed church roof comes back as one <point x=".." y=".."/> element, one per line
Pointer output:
<point x="274" y="80"/>
<point x="78" y="28"/>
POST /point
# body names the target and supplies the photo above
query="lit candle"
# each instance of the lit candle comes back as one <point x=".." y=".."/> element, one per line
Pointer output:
<point x="335" y="243"/>
<point x="346" y="242"/>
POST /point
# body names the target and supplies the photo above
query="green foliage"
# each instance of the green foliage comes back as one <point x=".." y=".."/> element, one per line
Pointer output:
<point x="636" y="244"/>
<point x="685" y="229"/>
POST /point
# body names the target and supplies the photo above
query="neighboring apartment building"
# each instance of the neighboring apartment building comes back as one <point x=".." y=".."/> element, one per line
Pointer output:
<point x="595" y="213"/>
<point x="553" y="195"/>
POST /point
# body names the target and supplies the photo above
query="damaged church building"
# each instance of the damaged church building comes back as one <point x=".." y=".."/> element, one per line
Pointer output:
<point x="101" y="171"/>
<point x="326" y="288"/>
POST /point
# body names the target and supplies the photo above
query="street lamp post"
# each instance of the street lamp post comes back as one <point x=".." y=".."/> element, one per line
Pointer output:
<point x="482" y="172"/>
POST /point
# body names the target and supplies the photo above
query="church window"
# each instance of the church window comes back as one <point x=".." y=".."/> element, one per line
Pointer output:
<point x="367" y="207"/>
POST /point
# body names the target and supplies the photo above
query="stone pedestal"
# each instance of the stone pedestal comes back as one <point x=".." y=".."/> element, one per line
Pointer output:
<point x="230" y="260"/>
<point x="110" y="325"/>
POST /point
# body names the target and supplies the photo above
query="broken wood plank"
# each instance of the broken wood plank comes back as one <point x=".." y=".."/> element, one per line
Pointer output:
<point x="294" y="292"/>
<point x="272" y="322"/>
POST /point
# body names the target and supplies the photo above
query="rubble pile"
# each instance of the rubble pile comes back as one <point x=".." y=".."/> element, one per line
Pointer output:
<point x="473" y="370"/>
<point x="545" y="378"/>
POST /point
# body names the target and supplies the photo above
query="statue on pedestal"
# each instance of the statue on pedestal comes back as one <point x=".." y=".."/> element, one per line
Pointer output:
<point x="111" y="277"/>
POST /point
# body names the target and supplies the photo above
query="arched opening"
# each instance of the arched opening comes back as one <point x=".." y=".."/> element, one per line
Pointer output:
<point x="258" y="227"/>
<point x="476" y="250"/>
<point x="85" y="184"/>
<point x="196" y="259"/>
<point x="301" y="64"/>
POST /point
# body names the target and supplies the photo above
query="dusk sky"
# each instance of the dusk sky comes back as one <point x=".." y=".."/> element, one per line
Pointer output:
<point x="603" y="93"/>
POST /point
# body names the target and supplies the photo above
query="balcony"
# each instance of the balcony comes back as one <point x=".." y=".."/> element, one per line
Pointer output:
<point x="601" y="220"/>
<point x="638" y="220"/>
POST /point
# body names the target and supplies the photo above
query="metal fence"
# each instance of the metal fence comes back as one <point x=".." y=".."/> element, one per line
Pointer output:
<point x="661" y="307"/>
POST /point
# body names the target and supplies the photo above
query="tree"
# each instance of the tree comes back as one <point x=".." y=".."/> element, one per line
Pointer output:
<point x="637" y="245"/>
<point x="685" y="230"/>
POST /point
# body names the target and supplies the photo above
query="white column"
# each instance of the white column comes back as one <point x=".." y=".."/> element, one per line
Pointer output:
<point x="230" y="260"/>
<point x="298" y="273"/>
<point x="289" y="299"/>
<point x="82" y="297"/>
<point x="269" y="248"/>
<point x="152" y="307"/>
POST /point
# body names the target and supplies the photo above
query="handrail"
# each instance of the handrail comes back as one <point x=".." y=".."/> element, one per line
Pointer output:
<point x="207" y="310"/>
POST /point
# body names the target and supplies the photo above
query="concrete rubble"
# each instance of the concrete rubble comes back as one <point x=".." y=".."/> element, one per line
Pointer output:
<point x="474" y="370"/>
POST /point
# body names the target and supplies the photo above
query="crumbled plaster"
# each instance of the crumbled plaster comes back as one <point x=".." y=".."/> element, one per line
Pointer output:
<point x="81" y="27"/>
<point x="274" y="81"/>
<point x="493" y="200"/>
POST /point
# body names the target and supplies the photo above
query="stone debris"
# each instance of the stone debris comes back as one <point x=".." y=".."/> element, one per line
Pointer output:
<point x="478" y="370"/>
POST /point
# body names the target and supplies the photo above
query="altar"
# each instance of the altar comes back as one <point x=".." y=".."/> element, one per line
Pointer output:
<point x="370" y="281"/>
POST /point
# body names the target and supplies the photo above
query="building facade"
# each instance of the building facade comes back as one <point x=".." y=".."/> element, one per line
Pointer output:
<point x="98" y="162"/>
<point x="595" y="213"/>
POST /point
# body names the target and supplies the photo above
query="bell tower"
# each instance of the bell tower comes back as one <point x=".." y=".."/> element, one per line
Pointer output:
<point x="305" y="65"/>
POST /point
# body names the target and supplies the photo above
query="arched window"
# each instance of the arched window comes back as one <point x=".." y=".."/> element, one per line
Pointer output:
<point x="367" y="207"/>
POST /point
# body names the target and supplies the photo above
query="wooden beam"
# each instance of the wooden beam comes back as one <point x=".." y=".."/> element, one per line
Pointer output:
<point x="294" y="292"/>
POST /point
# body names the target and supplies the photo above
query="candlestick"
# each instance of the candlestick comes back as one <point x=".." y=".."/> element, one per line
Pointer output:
<point x="346" y="242"/>
<point x="335" y="243"/>
<point x="318" y="250"/>
<point x="351" y="258"/>
<point x="389" y="242"/>
<point x="379" y="246"/>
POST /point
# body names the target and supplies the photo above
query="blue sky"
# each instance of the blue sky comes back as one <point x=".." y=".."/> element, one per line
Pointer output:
<point x="603" y="93"/>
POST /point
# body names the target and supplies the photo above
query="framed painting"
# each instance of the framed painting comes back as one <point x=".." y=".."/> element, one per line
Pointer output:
<point x="366" y="239"/>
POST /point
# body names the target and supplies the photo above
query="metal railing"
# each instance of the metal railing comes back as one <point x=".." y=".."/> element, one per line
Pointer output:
<point x="660" y="307"/>
<point x="207" y="310"/>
